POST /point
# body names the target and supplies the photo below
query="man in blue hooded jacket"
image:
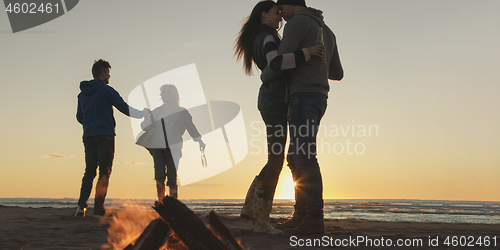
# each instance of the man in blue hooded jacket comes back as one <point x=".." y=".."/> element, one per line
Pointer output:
<point x="95" y="113"/>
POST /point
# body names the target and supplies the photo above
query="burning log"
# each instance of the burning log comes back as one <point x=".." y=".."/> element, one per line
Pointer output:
<point x="187" y="226"/>
<point x="222" y="231"/>
<point x="153" y="237"/>
<point x="181" y="229"/>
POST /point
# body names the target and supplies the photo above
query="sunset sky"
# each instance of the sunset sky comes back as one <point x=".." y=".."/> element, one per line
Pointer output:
<point x="421" y="91"/>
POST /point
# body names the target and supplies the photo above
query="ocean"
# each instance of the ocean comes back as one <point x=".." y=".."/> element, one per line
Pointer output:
<point x="437" y="211"/>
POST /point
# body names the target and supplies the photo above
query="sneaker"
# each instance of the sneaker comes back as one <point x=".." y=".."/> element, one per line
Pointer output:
<point x="80" y="212"/>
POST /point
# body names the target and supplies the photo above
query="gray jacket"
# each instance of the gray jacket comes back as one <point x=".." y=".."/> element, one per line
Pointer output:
<point x="301" y="32"/>
<point x="176" y="123"/>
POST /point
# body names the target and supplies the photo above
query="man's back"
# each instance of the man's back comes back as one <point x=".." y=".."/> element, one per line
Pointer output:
<point x="95" y="108"/>
<point x="301" y="32"/>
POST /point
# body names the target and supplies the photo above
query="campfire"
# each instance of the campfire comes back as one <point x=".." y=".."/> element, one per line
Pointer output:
<point x="174" y="227"/>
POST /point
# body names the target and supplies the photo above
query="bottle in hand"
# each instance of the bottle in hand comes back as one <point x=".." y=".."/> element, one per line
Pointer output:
<point x="203" y="159"/>
<point x="319" y="39"/>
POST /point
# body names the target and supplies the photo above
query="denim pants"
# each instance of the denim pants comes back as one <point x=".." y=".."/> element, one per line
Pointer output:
<point x="276" y="133"/>
<point x="166" y="162"/>
<point x="99" y="151"/>
<point x="304" y="115"/>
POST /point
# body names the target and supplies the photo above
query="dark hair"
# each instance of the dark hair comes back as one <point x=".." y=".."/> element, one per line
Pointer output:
<point x="244" y="43"/>
<point x="99" y="67"/>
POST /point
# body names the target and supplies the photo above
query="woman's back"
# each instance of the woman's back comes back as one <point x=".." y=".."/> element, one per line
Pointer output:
<point x="177" y="121"/>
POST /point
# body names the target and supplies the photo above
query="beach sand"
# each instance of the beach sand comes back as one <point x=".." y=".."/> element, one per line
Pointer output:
<point x="51" y="228"/>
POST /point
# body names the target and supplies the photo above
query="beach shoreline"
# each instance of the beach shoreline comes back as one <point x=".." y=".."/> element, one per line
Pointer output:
<point x="58" y="228"/>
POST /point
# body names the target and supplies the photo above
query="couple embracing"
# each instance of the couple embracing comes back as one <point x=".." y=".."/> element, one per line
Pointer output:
<point x="294" y="92"/>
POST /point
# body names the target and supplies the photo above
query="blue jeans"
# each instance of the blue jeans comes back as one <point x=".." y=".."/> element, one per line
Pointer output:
<point x="276" y="133"/>
<point x="162" y="158"/>
<point x="304" y="115"/>
<point x="99" y="151"/>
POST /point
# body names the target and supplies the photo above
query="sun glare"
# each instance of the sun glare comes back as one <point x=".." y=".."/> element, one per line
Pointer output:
<point x="285" y="188"/>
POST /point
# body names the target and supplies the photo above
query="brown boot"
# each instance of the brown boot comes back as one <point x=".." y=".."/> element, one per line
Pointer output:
<point x="309" y="225"/>
<point x="247" y="209"/>
<point x="173" y="192"/>
<point x="160" y="190"/>
<point x="291" y="223"/>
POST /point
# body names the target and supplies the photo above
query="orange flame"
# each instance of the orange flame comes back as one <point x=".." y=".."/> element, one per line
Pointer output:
<point x="174" y="243"/>
<point x="239" y="242"/>
<point x="126" y="225"/>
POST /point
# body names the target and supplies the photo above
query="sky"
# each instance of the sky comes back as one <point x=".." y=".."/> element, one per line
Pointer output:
<point x="415" y="117"/>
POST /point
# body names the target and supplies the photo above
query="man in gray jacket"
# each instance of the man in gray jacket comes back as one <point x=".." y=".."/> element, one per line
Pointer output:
<point x="309" y="89"/>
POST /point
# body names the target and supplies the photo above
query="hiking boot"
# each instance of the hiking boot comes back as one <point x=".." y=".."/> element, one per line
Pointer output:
<point x="80" y="212"/>
<point x="309" y="225"/>
<point x="291" y="223"/>
<point x="247" y="209"/>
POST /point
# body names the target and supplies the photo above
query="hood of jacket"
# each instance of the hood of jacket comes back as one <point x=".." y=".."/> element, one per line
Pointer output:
<point x="315" y="14"/>
<point x="89" y="87"/>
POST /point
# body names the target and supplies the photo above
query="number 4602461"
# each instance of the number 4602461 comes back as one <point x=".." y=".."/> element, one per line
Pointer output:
<point x="470" y="241"/>
<point x="32" y="8"/>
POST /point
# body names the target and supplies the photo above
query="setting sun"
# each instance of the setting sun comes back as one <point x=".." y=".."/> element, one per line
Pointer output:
<point x="285" y="188"/>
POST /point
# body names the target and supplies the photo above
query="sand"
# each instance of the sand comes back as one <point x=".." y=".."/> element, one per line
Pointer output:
<point x="51" y="228"/>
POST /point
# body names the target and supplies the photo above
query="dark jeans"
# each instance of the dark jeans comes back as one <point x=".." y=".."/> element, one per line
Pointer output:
<point x="99" y="151"/>
<point x="162" y="158"/>
<point x="276" y="131"/>
<point x="304" y="115"/>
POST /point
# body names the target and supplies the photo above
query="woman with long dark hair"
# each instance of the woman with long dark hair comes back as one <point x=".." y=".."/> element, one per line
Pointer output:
<point x="258" y="42"/>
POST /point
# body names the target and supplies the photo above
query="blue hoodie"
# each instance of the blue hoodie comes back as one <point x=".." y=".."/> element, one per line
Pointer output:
<point x="95" y="108"/>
